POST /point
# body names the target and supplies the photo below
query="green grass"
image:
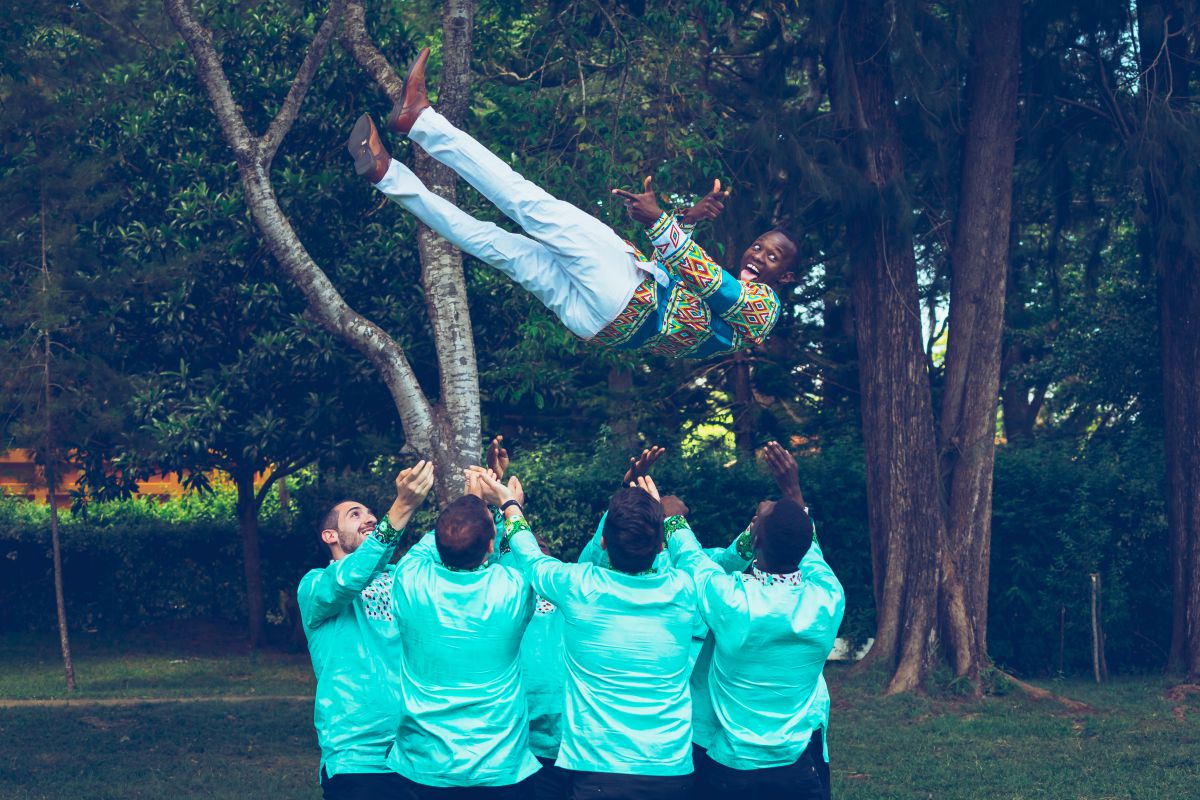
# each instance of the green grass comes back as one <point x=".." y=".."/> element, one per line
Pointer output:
<point x="1134" y="744"/>
<point x="183" y="661"/>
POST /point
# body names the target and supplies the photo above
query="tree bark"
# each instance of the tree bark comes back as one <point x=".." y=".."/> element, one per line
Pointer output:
<point x="247" y="515"/>
<point x="449" y="434"/>
<point x="745" y="407"/>
<point x="897" y="413"/>
<point x="1170" y="126"/>
<point x="979" y="262"/>
<point x="50" y="468"/>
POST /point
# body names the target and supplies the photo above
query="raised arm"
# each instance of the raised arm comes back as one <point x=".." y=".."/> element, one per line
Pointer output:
<point x="324" y="593"/>
<point x="549" y="577"/>
<point x="750" y="308"/>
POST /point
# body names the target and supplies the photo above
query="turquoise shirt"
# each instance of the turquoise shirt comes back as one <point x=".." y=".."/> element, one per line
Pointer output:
<point x="761" y="675"/>
<point x="626" y="646"/>
<point x="355" y="649"/>
<point x="734" y="558"/>
<point x="464" y="719"/>
<point x="544" y="673"/>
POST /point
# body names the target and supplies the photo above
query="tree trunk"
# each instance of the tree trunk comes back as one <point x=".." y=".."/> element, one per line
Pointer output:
<point x="448" y="434"/>
<point x="897" y="413"/>
<point x="51" y="469"/>
<point x="247" y="514"/>
<point x="979" y="261"/>
<point x="622" y="419"/>
<point x="745" y="408"/>
<point x="458" y="418"/>
<point x="1171" y="128"/>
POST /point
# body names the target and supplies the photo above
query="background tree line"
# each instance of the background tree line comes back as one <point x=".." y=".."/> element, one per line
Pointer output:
<point x="999" y="240"/>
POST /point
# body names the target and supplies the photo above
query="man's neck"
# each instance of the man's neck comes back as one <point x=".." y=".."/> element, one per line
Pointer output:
<point x="763" y="566"/>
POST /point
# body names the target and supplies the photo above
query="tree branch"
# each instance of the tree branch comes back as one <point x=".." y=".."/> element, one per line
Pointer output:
<point x="308" y="68"/>
<point x="325" y="303"/>
<point x="212" y="77"/>
<point x="355" y="39"/>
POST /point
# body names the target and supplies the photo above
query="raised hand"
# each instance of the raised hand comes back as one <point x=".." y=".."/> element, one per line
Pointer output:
<point x="646" y="484"/>
<point x="642" y="208"/>
<point x="784" y="470"/>
<point x="708" y="207"/>
<point x="518" y="491"/>
<point x="497" y="457"/>
<point x="483" y="484"/>
<point x="640" y="465"/>
<point x="414" y="483"/>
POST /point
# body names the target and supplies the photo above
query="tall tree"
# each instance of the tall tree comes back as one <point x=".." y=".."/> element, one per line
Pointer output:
<point x="930" y="539"/>
<point x="979" y="267"/>
<point x="1168" y="145"/>
<point x="447" y="432"/>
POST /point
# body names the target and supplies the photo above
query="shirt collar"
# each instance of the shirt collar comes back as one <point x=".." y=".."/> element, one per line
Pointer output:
<point x="769" y="578"/>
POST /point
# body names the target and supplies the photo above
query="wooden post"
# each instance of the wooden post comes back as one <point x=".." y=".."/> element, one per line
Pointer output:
<point x="1062" y="638"/>
<point x="1099" y="667"/>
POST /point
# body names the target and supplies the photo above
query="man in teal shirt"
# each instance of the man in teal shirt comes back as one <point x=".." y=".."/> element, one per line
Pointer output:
<point x="760" y="698"/>
<point x="353" y="642"/>
<point x="627" y="720"/>
<point x="463" y="729"/>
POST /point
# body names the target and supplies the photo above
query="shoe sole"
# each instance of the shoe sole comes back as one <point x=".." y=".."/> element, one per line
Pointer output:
<point x="359" y="146"/>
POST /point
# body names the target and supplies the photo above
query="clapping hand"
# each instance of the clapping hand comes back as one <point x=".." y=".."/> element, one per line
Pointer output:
<point x="412" y="485"/>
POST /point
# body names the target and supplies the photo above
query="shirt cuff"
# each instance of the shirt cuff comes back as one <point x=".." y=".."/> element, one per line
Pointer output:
<point x="513" y="526"/>
<point x="744" y="546"/>
<point x="385" y="532"/>
<point x="673" y="524"/>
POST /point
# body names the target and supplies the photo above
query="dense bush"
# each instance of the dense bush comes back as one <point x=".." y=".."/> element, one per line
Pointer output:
<point x="1058" y="516"/>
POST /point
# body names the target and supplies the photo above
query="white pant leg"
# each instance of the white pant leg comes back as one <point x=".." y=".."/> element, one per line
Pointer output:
<point x="526" y="261"/>
<point x="598" y="261"/>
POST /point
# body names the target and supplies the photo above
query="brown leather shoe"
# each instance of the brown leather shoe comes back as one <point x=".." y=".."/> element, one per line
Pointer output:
<point x="414" y="100"/>
<point x="371" y="159"/>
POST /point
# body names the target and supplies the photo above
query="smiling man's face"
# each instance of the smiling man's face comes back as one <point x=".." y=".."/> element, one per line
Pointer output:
<point x="769" y="260"/>
<point x="354" y="524"/>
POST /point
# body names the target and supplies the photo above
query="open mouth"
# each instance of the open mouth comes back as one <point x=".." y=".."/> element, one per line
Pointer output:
<point x="749" y="272"/>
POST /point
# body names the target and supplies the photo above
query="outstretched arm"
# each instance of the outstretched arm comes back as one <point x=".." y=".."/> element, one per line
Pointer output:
<point x="324" y="593"/>
<point x="750" y="308"/>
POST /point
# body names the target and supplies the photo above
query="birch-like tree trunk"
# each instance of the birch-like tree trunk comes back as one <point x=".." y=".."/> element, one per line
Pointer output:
<point x="447" y="433"/>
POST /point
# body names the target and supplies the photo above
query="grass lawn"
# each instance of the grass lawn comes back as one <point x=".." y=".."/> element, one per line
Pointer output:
<point x="1135" y="743"/>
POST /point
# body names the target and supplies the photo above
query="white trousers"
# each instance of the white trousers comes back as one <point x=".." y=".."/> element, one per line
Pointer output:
<point x="575" y="264"/>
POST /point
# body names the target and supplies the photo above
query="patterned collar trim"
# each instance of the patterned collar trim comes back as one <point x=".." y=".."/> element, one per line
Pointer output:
<point x="771" y="578"/>
<point x="649" y="571"/>
<point x="479" y="568"/>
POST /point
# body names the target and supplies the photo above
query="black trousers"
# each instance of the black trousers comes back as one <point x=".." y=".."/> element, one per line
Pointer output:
<point x="364" y="786"/>
<point x="517" y="791"/>
<point x="551" y="782"/>
<point x="807" y="778"/>
<point x="605" y="786"/>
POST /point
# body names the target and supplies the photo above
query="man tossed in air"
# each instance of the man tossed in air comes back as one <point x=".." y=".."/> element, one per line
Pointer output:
<point x="681" y="305"/>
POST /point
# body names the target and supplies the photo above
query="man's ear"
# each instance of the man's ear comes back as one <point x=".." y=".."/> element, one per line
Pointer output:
<point x="329" y="536"/>
<point x="491" y="546"/>
<point x="603" y="545"/>
<point x="787" y="277"/>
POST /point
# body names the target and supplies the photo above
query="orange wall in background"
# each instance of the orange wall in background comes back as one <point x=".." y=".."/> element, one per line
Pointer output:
<point x="21" y="477"/>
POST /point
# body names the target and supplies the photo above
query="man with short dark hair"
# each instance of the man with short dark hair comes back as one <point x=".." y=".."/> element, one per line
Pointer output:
<point x="345" y="609"/>
<point x="627" y="717"/>
<point x="760" y="700"/>
<point x="463" y="731"/>
<point x="682" y="304"/>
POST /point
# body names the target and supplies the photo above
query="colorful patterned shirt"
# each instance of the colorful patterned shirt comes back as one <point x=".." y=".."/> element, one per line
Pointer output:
<point x="703" y="310"/>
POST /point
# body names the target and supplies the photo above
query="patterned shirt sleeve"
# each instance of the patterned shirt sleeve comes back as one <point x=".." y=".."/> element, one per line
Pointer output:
<point x="750" y="308"/>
